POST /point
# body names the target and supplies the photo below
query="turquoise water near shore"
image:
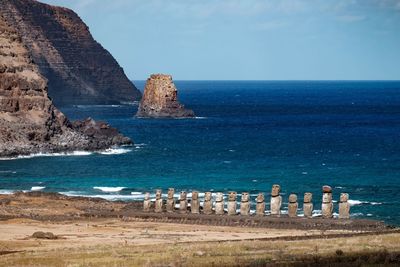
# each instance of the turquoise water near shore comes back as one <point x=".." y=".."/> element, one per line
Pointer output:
<point x="248" y="135"/>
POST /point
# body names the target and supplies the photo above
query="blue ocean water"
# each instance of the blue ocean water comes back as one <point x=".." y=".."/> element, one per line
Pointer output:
<point x="248" y="136"/>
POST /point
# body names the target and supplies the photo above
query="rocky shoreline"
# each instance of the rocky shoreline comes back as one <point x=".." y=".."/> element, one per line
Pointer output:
<point x="29" y="122"/>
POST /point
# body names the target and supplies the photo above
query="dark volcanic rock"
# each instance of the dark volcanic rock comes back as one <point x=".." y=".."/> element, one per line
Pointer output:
<point x="29" y="122"/>
<point x="79" y="70"/>
<point x="160" y="99"/>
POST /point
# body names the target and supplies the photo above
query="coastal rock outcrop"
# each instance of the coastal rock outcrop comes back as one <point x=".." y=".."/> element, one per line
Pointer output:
<point x="29" y="122"/>
<point x="160" y="99"/>
<point x="79" y="70"/>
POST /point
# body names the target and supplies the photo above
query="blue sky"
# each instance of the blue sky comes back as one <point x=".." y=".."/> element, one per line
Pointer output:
<point x="248" y="39"/>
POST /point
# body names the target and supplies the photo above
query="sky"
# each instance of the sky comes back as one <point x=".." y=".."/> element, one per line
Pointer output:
<point x="248" y="39"/>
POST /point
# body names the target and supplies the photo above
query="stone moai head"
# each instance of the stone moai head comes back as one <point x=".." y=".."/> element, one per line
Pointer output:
<point x="158" y="194"/>
<point x="326" y="194"/>
<point x="292" y="198"/>
<point x="171" y="193"/>
<point x="183" y="195"/>
<point x="276" y="190"/>
<point x="326" y="189"/>
<point x="260" y="198"/>
<point x="208" y="196"/>
<point x="344" y="197"/>
<point x="219" y="197"/>
<point x="307" y="197"/>
<point x="147" y="196"/>
<point x="195" y="195"/>
<point x="232" y="196"/>
<point x="245" y="197"/>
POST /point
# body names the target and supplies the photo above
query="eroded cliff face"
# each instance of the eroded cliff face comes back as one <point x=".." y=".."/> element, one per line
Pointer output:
<point x="160" y="99"/>
<point x="29" y="122"/>
<point x="79" y="70"/>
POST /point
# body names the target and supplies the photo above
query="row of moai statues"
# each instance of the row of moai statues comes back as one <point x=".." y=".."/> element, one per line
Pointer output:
<point x="276" y="203"/>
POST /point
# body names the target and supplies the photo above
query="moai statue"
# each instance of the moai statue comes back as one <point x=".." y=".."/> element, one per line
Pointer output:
<point x="219" y="204"/>
<point x="171" y="200"/>
<point x="344" y="206"/>
<point x="159" y="202"/>
<point x="195" y="204"/>
<point x="183" y="202"/>
<point x="260" y="206"/>
<point x="232" y="205"/>
<point x="293" y="205"/>
<point x="276" y="200"/>
<point x="146" y="202"/>
<point x="245" y="204"/>
<point x="327" y="205"/>
<point x="308" y="206"/>
<point x="208" y="204"/>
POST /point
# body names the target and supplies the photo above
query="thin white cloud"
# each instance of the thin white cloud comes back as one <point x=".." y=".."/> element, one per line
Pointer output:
<point x="351" y="18"/>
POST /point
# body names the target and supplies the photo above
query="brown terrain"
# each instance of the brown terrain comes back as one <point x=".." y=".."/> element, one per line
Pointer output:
<point x="47" y="229"/>
<point x="29" y="122"/>
<point x="79" y="70"/>
<point x="160" y="99"/>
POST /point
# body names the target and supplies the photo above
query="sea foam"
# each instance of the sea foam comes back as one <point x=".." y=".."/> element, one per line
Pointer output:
<point x="37" y="188"/>
<point x="115" y="151"/>
<point x="109" y="189"/>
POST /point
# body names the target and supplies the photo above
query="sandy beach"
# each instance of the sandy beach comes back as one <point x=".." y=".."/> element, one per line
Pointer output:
<point x="95" y="232"/>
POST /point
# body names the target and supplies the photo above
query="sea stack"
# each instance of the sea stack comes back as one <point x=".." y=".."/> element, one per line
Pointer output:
<point x="160" y="99"/>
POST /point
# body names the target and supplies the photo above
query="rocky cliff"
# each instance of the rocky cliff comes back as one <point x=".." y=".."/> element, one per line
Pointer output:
<point x="29" y="122"/>
<point x="79" y="70"/>
<point x="160" y="99"/>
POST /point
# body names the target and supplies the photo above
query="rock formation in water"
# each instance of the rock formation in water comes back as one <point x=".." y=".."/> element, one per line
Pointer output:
<point x="79" y="70"/>
<point x="160" y="99"/>
<point x="29" y="122"/>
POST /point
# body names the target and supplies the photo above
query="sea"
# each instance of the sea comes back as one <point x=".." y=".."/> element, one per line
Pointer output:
<point x="247" y="136"/>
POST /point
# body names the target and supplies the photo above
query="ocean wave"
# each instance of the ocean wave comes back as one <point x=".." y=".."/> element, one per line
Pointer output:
<point x="60" y="154"/>
<point x="13" y="172"/>
<point x="37" y="188"/>
<point x="360" y="202"/>
<point x="200" y="118"/>
<point x="6" y="192"/>
<point x="109" y="189"/>
<point x="115" y="151"/>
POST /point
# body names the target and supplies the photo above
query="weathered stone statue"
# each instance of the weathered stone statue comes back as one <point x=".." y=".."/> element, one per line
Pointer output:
<point x="232" y="205"/>
<point x="219" y="204"/>
<point x="159" y="202"/>
<point x="146" y="202"/>
<point x="293" y="205"/>
<point x="245" y="204"/>
<point x="208" y="204"/>
<point x="195" y="204"/>
<point x="344" y="206"/>
<point x="327" y="205"/>
<point x="308" y="206"/>
<point x="276" y="200"/>
<point x="183" y="202"/>
<point x="260" y="206"/>
<point x="171" y="200"/>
